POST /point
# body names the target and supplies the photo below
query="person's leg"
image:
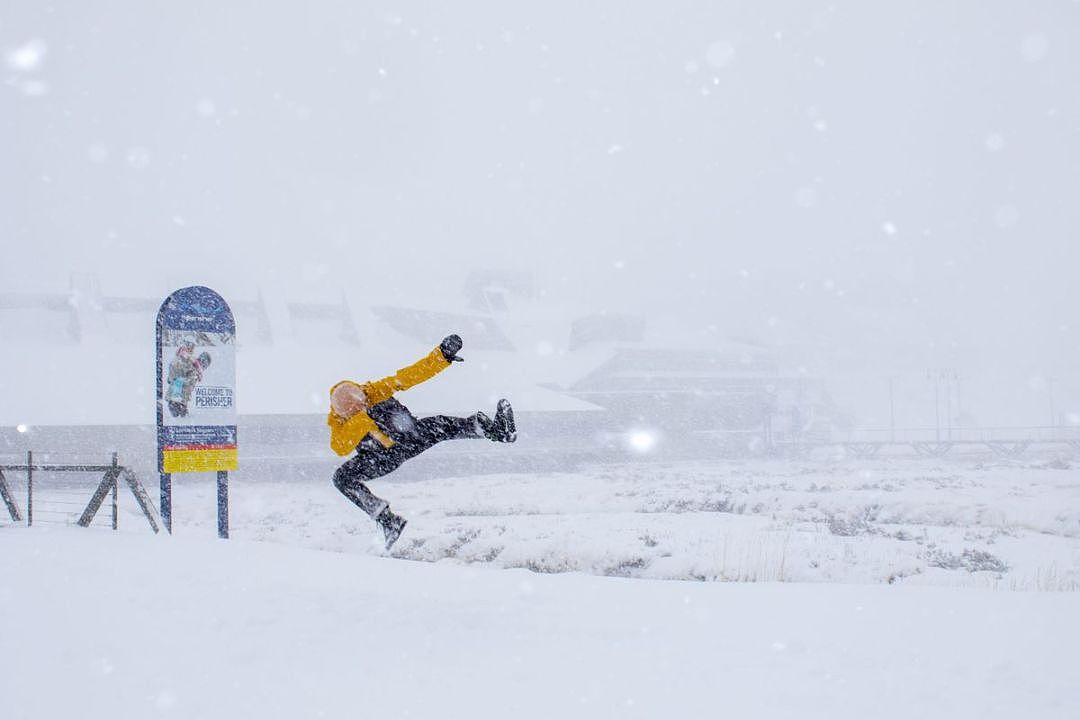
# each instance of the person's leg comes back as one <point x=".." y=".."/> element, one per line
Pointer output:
<point x="431" y="431"/>
<point x="438" y="428"/>
<point x="365" y="465"/>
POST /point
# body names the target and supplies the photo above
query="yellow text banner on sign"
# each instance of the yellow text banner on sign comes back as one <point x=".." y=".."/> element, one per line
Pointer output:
<point x="178" y="461"/>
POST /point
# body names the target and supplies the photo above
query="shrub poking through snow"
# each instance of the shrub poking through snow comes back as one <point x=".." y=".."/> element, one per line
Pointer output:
<point x="970" y="560"/>
<point x="858" y="523"/>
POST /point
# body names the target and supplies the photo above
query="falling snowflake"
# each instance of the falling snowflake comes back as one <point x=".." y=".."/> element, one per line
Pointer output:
<point x="34" y="88"/>
<point x="720" y="54"/>
<point x="27" y="57"/>
<point x="138" y="158"/>
<point x="98" y="153"/>
<point x="1033" y="47"/>
<point x="1006" y="216"/>
<point x="806" y="197"/>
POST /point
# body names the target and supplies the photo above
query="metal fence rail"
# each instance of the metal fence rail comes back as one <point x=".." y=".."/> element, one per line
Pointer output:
<point x="110" y="483"/>
<point x="864" y="443"/>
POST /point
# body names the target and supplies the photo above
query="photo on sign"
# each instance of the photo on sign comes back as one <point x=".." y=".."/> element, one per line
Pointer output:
<point x="198" y="378"/>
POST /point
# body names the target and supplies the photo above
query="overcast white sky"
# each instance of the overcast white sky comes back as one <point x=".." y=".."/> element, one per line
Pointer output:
<point x="881" y="188"/>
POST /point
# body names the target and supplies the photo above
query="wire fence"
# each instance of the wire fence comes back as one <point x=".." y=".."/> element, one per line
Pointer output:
<point x="49" y="486"/>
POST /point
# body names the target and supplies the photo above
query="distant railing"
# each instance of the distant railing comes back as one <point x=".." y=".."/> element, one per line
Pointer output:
<point x="110" y="482"/>
<point x="1009" y="442"/>
<point x="1006" y="434"/>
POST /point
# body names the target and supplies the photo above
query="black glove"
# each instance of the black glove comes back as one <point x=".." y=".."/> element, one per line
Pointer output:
<point x="450" y="346"/>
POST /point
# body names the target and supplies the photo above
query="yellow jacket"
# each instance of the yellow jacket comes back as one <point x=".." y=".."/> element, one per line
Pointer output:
<point x="345" y="434"/>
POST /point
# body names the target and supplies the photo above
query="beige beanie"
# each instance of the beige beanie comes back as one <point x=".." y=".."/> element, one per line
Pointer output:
<point x="347" y="398"/>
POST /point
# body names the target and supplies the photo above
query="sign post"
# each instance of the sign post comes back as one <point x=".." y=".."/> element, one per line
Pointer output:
<point x="196" y="393"/>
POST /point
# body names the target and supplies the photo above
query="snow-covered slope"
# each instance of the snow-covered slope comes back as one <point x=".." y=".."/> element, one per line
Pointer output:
<point x="124" y="626"/>
<point x="1003" y="525"/>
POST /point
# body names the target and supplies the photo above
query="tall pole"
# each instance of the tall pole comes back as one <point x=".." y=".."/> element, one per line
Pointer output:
<point x="1050" y="392"/>
<point x="223" y="504"/>
<point x="948" y="405"/>
<point x="166" y="501"/>
<point x="959" y="405"/>
<point x="165" y="479"/>
<point x="892" y="413"/>
<point x="115" y="495"/>
<point x="29" y="488"/>
<point x="937" y="409"/>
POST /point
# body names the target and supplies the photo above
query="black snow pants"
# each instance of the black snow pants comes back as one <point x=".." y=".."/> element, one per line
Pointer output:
<point x="372" y="460"/>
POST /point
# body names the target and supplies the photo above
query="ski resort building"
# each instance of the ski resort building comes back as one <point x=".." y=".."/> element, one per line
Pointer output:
<point x="78" y="376"/>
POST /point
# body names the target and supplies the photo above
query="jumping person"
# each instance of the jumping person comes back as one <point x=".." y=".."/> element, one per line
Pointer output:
<point x="366" y="418"/>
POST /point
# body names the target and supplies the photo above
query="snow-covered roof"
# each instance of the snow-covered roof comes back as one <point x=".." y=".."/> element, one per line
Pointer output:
<point x="86" y="355"/>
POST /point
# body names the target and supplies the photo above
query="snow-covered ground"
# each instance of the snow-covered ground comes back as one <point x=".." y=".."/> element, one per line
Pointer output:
<point x="109" y="626"/>
<point x="1006" y="525"/>
<point x="544" y="594"/>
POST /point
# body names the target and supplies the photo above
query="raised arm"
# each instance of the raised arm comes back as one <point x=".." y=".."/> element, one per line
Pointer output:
<point x="428" y="367"/>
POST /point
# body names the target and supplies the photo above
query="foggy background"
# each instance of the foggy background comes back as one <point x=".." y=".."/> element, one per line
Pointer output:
<point x="878" y="191"/>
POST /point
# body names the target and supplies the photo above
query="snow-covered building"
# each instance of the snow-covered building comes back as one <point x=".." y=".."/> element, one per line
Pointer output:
<point x="79" y="371"/>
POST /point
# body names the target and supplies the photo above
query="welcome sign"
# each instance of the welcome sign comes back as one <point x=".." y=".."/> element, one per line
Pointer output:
<point x="196" y="383"/>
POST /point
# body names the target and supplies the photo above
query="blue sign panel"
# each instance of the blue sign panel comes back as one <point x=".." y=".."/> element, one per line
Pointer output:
<point x="196" y="387"/>
<point x="196" y="393"/>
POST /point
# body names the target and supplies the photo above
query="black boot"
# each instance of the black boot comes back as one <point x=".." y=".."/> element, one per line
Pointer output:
<point x="504" y="421"/>
<point x="501" y="428"/>
<point x="391" y="525"/>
